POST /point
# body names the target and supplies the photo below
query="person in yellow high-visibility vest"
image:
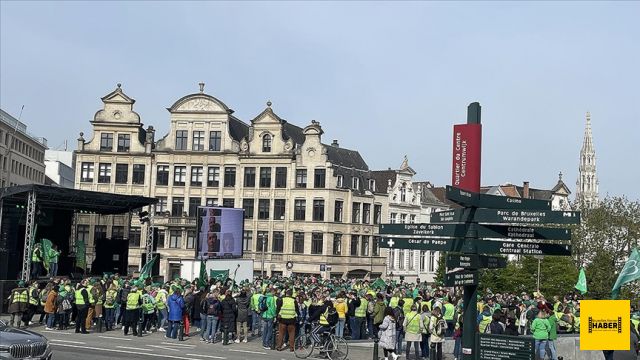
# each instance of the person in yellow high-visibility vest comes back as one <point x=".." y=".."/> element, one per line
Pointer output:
<point x="413" y="330"/>
<point x="82" y="306"/>
<point x="449" y="310"/>
<point x="18" y="303"/>
<point x="132" y="312"/>
<point x="287" y="312"/>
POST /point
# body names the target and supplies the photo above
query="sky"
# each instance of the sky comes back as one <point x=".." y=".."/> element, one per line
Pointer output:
<point x="388" y="79"/>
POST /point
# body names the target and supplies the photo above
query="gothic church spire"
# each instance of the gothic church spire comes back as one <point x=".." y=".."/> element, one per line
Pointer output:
<point x="587" y="183"/>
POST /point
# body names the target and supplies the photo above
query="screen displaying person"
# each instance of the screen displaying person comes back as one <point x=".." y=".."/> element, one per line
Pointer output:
<point x="213" y="244"/>
<point x="228" y="243"/>
<point x="214" y="226"/>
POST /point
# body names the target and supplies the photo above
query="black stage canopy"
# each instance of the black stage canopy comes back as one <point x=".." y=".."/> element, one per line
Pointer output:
<point x="53" y="197"/>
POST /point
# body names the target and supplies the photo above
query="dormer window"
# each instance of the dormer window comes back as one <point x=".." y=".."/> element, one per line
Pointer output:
<point x="403" y="192"/>
<point x="355" y="183"/>
<point x="372" y="185"/>
<point x="339" y="181"/>
<point x="266" y="143"/>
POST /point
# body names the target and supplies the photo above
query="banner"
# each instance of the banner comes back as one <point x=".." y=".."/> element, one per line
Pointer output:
<point x="202" y="279"/>
<point x="81" y="251"/>
<point x="629" y="273"/>
<point x="581" y="285"/>
<point x="219" y="275"/>
<point x="465" y="174"/>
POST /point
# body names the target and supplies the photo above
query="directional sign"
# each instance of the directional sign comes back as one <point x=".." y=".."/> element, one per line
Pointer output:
<point x="471" y="261"/>
<point x="468" y="198"/>
<point x="526" y="216"/>
<point x="451" y="216"/>
<point x="461" y="278"/>
<point x="422" y="244"/>
<point x="452" y="230"/>
<point x="522" y="248"/>
<point x="522" y="232"/>
<point x="503" y="347"/>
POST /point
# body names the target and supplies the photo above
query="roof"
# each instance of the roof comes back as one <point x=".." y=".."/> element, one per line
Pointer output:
<point x="290" y="131"/>
<point x="71" y="199"/>
<point x="382" y="178"/>
<point x="440" y="193"/>
<point x="237" y="128"/>
<point x="346" y="158"/>
<point x="427" y="197"/>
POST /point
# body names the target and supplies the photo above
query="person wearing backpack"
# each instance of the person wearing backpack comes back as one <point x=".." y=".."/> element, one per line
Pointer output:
<point x="496" y="326"/>
<point x="413" y="330"/>
<point x="109" y="306"/>
<point x="242" y="317"/>
<point x="399" y="317"/>
<point x="437" y="328"/>
<point x="425" y="317"/>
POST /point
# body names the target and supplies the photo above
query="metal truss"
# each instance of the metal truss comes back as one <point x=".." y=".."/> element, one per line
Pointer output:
<point x="28" y="236"/>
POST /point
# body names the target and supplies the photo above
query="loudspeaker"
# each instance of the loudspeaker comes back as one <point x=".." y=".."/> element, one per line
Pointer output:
<point x="112" y="256"/>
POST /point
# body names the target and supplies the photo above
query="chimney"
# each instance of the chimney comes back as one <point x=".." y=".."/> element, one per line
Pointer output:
<point x="525" y="189"/>
<point x="335" y="143"/>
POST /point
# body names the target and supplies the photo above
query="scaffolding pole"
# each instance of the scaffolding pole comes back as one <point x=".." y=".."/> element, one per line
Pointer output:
<point x="28" y="236"/>
<point x="149" y="239"/>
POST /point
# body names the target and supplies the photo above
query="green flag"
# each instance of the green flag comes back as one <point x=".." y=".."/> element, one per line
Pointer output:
<point x="146" y="269"/>
<point x="202" y="279"/>
<point x="581" y="285"/>
<point x="630" y="272"/>
<point x="378" y="284"/>
<point x="81" y="260"/>
<point x="46" y="250"/>
<point x="219" y="275"/>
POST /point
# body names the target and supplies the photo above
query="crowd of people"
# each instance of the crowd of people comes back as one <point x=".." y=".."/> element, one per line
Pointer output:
<point x="400" y="315"/>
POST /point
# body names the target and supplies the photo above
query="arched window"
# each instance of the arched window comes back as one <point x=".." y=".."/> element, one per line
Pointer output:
<point x="403" y="192"/>
<point x="266" y="143"/>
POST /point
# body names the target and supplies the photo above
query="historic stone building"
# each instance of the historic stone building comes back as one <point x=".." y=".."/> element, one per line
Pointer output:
<point x="409" y="202"/>
<point x="305" y="201"/>
<point x="587" y="183"/>
<point x="21" y="154"/>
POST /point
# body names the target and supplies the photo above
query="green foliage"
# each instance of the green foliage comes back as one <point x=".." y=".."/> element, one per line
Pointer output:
<point x="441" y="270"/>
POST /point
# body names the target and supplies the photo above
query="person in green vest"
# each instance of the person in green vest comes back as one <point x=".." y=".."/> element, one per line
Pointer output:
<point x="378" y="313"/>
<point x="540" y="329"/>
<point x="148" y="310"/>
<point x="161" y="305"/>
<point x="18" y="304"/>
<point x="425" y="317"/>
<point x="360" y="315"/>
<point x="255" y="311"/>
<point x="109" y="307"/>
<point x="36" y="261"/>
<point x="408" y="301"/>
<point x="268" y="317"/>
<point x="81" y="296"/>
<point x="413" y="330"/>
<point x="288" y="311"/>
<point x="449" y="310"/>
<point x="132" y="312"/>
<point x="54" y="254"/>
<point x="484" y="319"/>
<point x="553" y="333"/>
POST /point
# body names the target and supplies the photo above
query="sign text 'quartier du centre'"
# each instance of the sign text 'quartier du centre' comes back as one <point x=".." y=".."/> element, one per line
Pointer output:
<point x="507" y="216"/>
<point x="484" y="247"/>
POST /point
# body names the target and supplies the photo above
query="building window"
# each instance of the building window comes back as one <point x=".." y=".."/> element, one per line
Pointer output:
<point x="194" y="202"/>
<point x="339" y="181"/>
<point x="160" y="239"/>
<point x="298" y="243"/>
<point x="82" y="233"/>
<point x="181" y="139"/>
<point x="301" y="178"/>
<point x="117" y="232"/>
<point x="137" y="175"/>
<point x="366" y="213"/>
<point x="263" y="209"/>
<point x="134" y="237"/>
<point x="175" y="239"/>
<point x="319" y="176"/>
<point x="403" y="192"/>
<point x="198" y="141"/>
<point x="124" y="142"/>
<point x="191" y="239"/>
<point x="265" y="177"/>
<point x="229" y="176"/>
<point x="354" y="245"/>
<point x="422" y="259"/>
<point x="214" y="140"/>
<point x="247" y="205"/>
<point x="211" y="202"/>
<point x="355" y="213"/>
<point x="337" y="213"/>
<point x="279" y="206"/>
<point x="228" y="202"/>
<point x="196" y="176"/>
<point x="355" y="183"/>
<point x="247" y="240"/>
<point x="300" y="209"/>
<point x="403" y="218"/>
<point x="317" y="243"/>
<point x="376" y="246"/>
<point x="179" y="175"/>
<point x="263" y="241"/>
<point x="377" y="214"/>
<point x="392" y="259"/>
<point x="410" y="256"/>
<point x="106" y="142"/>
<point x="392" y="218"/>
<point x="99" y="233"/>
<point x="177" y="206"/>
<point x="318" y="210"/>
<point x="372" y="185"/>
<point x="266" y="143"/>
<point x="281" y="177"/>
<point x="104" y="173"/>
<point x="249" y="177"/>
<point x="412" y="219"/>
<point x="162" y="175"/>
<point x="364" y="248"/>
<point x="213" y="176"/>
<point x="337" y="244"/>
<point x="401" y="260"/>
<point x="161" y="205"/>
<point x="432" y="261"/>
<point x="86" y="172"/>
<point x="122" y="173"/>
<point x="278" y="242"/>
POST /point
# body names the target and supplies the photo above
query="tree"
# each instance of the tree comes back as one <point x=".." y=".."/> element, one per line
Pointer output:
<point x="441" y="269"/>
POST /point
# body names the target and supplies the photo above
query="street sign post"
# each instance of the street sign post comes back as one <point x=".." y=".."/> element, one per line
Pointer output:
<point x="503" y="347"/>
<point x="467" y="198"/>
<point x="427" y="230"/>
<point x="461" y="278"/>
<point x="470" y="261"/>
<point x="522" y="232"/>
<point x="522" y="248"/>
<point x="507" y="216"/>
<point x="422" y="244"/>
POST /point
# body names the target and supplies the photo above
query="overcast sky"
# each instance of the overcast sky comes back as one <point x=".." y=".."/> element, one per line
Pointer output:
<point x="386" y="79"/>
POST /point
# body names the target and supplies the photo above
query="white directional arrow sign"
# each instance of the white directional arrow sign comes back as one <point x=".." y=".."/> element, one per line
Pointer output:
<point x="390" y="243"/>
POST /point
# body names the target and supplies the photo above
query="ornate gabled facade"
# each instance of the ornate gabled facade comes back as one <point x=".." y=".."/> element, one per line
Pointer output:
<point x="305" y="201"/>
<point x="587" y="183"/>
<point x="409" y="202"/>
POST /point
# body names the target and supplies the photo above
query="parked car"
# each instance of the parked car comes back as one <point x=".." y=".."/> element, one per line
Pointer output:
<point x="22" y="344"/>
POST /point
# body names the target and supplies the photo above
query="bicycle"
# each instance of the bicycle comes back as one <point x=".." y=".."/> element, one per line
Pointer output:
<point x="335" y="348"/>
